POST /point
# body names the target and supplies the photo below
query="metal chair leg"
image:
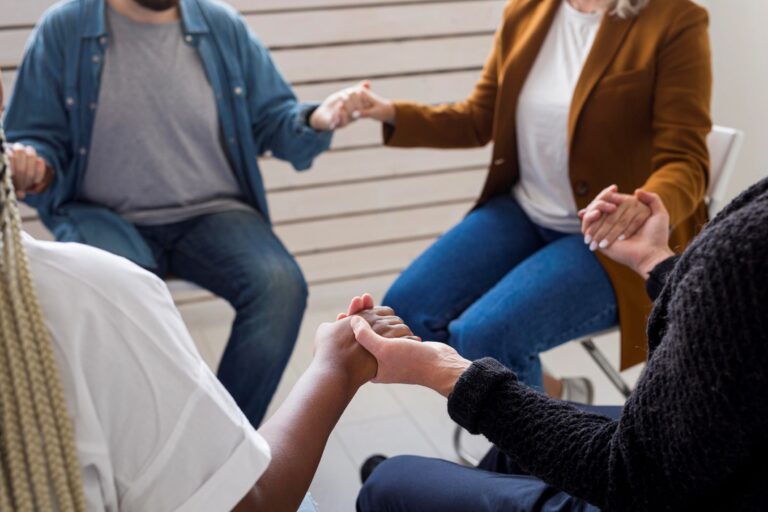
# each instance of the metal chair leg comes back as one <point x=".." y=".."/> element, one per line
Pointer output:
<point x="464" y="456"/>
<point x="613" y="375"/>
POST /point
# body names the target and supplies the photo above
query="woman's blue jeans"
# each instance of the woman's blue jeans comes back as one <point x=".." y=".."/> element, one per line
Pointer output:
<point x="498" y="285"/>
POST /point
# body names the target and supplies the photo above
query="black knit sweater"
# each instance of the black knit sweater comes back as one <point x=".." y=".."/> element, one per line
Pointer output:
<point x="694" y="434"/>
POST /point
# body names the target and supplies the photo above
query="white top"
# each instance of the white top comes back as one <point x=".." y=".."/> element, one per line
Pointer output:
<point x="544" y="191"/>
<point x="154" y="428"/>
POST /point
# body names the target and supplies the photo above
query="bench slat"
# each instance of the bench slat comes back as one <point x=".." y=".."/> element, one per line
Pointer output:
<point x="349" y="199"/>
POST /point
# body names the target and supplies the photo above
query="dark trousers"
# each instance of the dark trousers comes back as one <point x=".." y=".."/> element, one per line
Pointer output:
<point x="420" y="484"/>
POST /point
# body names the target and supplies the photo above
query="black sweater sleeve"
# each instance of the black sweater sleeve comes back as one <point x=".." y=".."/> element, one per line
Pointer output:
<point x="658" y="277"/>
<point x="691" y="419"/>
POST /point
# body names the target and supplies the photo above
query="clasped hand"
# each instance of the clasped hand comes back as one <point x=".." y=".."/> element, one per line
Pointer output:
<point x="630" y="229"/>
<point x="372" y="344"/>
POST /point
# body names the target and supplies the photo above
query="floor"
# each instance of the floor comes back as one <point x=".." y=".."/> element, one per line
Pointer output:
<point x="381" y="419"/>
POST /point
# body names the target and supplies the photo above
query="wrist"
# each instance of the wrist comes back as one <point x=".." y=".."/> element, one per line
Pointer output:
<point x="445" y="378"/>
<point x="332" y="373"/>
<point x="391" y="114"/>
<point x="649" y="263"/>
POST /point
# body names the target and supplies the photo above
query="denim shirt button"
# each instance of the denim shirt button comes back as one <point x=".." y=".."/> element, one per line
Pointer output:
<point x="83" y="151"/>
<point x="96" y="59"/>
<point x="70" y="101"/>
<point x="92" y="106"/>
<point x="238" y="91"/>
<point x="189" y="39"/>
<point x="103" y="40"/>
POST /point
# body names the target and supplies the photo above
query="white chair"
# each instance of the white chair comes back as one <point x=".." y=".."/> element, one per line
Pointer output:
<point x="724" y="147"/>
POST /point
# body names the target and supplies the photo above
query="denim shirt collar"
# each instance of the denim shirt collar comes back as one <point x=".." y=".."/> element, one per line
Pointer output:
<point x="192" y="19"/>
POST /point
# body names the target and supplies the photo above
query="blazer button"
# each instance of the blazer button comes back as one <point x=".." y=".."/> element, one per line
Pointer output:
<point x="581" y="188"/>
<point x="499" y="161"/>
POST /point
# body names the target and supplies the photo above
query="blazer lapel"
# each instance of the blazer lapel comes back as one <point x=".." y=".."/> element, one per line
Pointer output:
<point x="609" y="39"/>
<point x="529" y="31"/>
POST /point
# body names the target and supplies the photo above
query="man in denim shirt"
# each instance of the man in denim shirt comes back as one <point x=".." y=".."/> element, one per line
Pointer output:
<point x="136" y="125"/>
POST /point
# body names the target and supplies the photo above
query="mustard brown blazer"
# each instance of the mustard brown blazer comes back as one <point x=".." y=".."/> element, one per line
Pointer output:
<point x="639" y="118"/>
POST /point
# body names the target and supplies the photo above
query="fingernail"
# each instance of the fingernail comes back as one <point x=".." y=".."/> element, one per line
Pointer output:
<point x="593" y="246"/>
<point x="332" y="126"/>
<point x="355" y="115"/>
<point x="588" y="239"/>
<point x="603" y="244"/>
<point x="622" y="238"/>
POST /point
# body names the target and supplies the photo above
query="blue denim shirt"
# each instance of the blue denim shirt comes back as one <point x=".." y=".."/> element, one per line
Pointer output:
<point x="54" y="103"/>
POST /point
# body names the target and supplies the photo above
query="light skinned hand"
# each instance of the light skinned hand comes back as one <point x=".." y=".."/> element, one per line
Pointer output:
<point x="649" y="246"/>
<point x="381" y="318"/>
<point x="405" y="361"/>
<point x="30" y="172"/>
<point x="603" y="225"/>
<point x="377" y="108"/>
<point x="341" y="108"/>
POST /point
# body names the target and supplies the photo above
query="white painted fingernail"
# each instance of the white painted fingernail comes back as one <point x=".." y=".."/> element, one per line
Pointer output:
<point x="355" y="115"/>
<point x="593" y="246"/>
<point x="588" y="239"/>
<point x="604" y="244"/>
<point x="622" y="238"/>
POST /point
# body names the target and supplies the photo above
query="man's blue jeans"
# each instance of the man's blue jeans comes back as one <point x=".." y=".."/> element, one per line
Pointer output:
<point x="498" y="285"/>
<point x="236" y="256"/>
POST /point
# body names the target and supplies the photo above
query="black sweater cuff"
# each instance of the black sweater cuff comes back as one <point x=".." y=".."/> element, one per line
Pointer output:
<point x="472" y="390"/>
<point x="658" y="277"/>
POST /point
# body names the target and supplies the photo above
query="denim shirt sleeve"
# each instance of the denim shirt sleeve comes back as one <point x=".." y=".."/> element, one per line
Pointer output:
<point x="36" y="114"/>
<point x="278" y="120"/>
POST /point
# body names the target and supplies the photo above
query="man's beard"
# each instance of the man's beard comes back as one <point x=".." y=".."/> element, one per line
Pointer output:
<point x="158" y="5"/>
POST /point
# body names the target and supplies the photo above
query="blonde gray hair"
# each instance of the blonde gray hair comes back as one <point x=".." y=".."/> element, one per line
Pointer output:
<point x="39" y="469"/>
<point x="626" y="8"/>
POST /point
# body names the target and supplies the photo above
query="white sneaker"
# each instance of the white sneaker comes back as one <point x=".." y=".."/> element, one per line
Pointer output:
<point x="578" y="389"/>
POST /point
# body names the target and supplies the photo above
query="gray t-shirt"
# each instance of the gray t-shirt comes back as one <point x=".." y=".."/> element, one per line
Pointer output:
<point x="156" y="155"/>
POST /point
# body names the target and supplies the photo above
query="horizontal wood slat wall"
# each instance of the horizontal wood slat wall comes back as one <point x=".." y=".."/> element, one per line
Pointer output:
<point x="363" y="210"/>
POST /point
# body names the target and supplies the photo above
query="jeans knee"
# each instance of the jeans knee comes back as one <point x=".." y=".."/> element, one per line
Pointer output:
<point x="279" y="285"/>
<point x="402" y="298"/>
<point x="475" y="338"/>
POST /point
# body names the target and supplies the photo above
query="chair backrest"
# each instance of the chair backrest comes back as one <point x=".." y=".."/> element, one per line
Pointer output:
<point x="724" y="147"/>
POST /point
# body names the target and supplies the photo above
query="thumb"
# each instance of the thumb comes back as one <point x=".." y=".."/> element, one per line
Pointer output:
<point x="365" y="336"/>
<point x="653" y="201"/>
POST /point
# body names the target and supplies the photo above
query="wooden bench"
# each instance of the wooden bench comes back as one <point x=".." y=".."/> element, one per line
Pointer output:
<point x="425" y="50"/>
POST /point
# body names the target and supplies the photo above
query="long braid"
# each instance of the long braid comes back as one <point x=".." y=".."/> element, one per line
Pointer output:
<point x="39" y="469"/>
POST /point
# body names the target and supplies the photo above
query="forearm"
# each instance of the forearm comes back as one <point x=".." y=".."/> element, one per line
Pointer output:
<point x="297" y="435"/>
<point x="459" y="125"/>
<point x="546" y="437"/>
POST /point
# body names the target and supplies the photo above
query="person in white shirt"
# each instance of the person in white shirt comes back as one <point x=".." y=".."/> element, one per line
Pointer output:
<point x="106" y="405"/>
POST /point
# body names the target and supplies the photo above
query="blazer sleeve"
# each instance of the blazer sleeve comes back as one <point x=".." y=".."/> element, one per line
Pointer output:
<point x="681" y="115"/>
<point x="464" y="124"/>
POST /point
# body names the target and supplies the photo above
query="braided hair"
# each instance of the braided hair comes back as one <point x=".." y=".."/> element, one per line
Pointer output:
<point x="39" y="469"/>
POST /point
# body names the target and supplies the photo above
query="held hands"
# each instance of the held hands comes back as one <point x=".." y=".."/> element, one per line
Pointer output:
<point x="31" y="173"/>
<point x="348" y="105"/>
<point x="611" y="217"/>
<point x="337" y="350"/>
<point x="648" y="245"/>
<point x="406" y="361"/>
<point x="402" y="357"/>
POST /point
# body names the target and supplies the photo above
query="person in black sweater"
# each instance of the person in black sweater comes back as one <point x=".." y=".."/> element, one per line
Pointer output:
<point x="692" y="436"/>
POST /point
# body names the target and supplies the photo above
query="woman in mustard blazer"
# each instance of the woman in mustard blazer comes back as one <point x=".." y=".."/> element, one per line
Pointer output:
<point x="577" y="95"/>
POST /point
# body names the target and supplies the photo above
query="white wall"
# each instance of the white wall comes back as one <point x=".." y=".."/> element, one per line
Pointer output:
<point x="739" y="33"/>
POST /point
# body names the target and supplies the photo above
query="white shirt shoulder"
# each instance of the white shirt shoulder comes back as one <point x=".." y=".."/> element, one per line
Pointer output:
<point x="155" y="429"/>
